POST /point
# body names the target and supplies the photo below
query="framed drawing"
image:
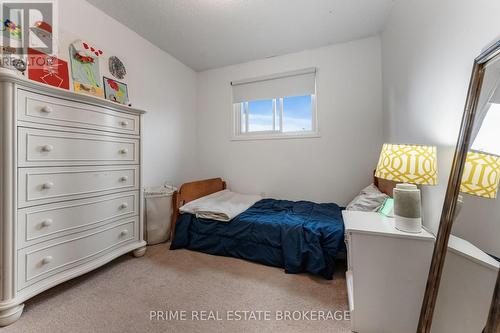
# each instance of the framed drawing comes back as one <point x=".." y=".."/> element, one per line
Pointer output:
<point x="115" y="91"/>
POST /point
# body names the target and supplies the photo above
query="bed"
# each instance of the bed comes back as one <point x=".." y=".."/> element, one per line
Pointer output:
<point x="298" y="236"/>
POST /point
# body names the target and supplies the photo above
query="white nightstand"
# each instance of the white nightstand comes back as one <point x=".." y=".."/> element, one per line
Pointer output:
<point x="387" y="273"/>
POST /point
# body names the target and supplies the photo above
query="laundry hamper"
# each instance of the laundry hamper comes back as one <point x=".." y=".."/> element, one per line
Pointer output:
<point x="158" y="213"/>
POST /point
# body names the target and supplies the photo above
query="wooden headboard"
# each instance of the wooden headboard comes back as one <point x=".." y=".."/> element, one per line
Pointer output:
<point x="192" y="191"/>
<point x="384" y="185"/>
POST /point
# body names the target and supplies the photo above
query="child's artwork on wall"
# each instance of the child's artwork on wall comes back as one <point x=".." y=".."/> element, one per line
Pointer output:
<point x="9" y="58"/>
<point x="13" y="25"/>
<point x="47" y="69"/>
<point x="115" y="91"/>
<point x="85" y="68"/>
<point x="11" y="40"/>
<point x="116" y="68"/>
<point x="43" y="31"/>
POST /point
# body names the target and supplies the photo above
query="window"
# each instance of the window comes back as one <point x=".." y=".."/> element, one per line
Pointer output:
<point x="488" y="137"/>
<point x="261" y="115"/>
<point x="277" y="106"/>
<point x="297" y="114"/>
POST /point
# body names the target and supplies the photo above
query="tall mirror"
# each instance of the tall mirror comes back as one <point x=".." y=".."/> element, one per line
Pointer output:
<point x="462" y="293"/>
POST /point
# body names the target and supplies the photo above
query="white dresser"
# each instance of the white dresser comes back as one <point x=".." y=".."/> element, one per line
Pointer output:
<point x="70" y="180"/>
<point x="465" y="290"/>
<point x="387" y="273"/>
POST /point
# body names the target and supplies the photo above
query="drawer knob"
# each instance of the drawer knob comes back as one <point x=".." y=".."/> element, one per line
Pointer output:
<point x="46" y="109"/>
<point x="46" y="223"/>
<point x="47" y="260"/>
<point x="123" y="179"/>
<point x="124" y="205"/>
<point x="123" y="151"/>
<point x="124" y="233"/>
<point x="123" y="123"/>
<point x="47" y="148"/>
<point x="47" y="185"/>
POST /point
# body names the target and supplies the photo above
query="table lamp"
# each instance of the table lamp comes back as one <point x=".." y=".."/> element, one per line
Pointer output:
<point x="481" y="175"/>
<point x="411" y="165"/>
<point x="480" y="178"/>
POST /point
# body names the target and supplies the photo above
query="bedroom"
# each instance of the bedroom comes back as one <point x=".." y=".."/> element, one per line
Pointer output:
<point x="372" y="73"/>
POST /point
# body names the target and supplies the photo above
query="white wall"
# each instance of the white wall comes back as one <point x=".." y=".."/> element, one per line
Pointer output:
<point x="427" y="51"/>
<point x="157" y="83"/>
<point x="332" y="168"/>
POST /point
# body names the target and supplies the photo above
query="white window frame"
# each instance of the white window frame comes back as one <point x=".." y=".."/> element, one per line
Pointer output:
<point x="277" y="133"/>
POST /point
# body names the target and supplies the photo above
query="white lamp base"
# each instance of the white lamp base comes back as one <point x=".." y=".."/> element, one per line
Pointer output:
<point x="407" y="208"/>
<point x="413" y="225"/>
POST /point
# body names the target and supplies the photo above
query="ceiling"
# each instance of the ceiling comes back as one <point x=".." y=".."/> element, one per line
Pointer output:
<point x="205" y="34"/>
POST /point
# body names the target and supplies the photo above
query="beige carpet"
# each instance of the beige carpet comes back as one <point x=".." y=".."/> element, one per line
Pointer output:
<point x="119" y="297"/>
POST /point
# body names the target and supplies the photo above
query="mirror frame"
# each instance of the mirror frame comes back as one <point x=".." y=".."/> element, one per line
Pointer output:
<point x="450" y="202"/>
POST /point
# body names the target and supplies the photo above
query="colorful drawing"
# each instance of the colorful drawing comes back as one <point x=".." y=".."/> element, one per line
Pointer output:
<point x="11" y="38"/>
<point x="43" y="31"/>
<point x="85" y="68"/>
<point x="115" y="91"/>
<point x="13" y="29"/>
<point x="47" y="69"/>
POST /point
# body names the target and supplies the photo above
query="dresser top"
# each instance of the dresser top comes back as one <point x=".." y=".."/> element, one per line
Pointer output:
<point x="465" y="249"/>
<point x="376" y="223"/>
<point x="7" y="75"/>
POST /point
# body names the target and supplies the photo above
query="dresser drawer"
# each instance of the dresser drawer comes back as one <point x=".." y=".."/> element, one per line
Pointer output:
<point x="46" y="185"/>
<point x="44" y="109"/>
<point x="46" y="259"/>
<point x="41" y="223"/>
<point x="48" y="148"/>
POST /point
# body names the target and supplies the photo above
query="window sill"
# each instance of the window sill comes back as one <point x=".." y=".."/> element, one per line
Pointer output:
<point x="251" y="137"/>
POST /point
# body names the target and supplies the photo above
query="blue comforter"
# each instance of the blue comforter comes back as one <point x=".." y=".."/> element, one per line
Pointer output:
<point x="299" y="236"/>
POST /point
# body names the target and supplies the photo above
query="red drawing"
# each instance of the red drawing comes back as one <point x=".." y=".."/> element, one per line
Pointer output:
<point x="85" y="52"/>
<point x="47" y="69"/>
<point x="113" y="85"/>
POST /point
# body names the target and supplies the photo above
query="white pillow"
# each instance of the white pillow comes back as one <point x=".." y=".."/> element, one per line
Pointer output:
<point x="370" y="199"/>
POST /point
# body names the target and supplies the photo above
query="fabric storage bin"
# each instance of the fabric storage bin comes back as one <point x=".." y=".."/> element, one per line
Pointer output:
<point x="158" y="213"/>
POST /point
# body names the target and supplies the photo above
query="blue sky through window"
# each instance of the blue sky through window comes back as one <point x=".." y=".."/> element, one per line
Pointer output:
<point x="297" y="114"/>
<point x="260" y="115"/>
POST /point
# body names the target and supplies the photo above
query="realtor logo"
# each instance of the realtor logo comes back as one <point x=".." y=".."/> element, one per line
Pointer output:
<point x="27" y="25"/>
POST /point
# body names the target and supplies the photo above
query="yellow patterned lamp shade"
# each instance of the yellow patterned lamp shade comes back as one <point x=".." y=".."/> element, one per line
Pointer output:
<point x="481" y="175"/>
<point x="413" y="164"/>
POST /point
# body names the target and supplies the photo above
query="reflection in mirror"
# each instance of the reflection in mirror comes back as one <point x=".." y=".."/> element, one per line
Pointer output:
<point x="471" y="266"/>
<point x="463" y="288"/>
<point x="485" y="134"/>
<point x="478" y="218"/>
